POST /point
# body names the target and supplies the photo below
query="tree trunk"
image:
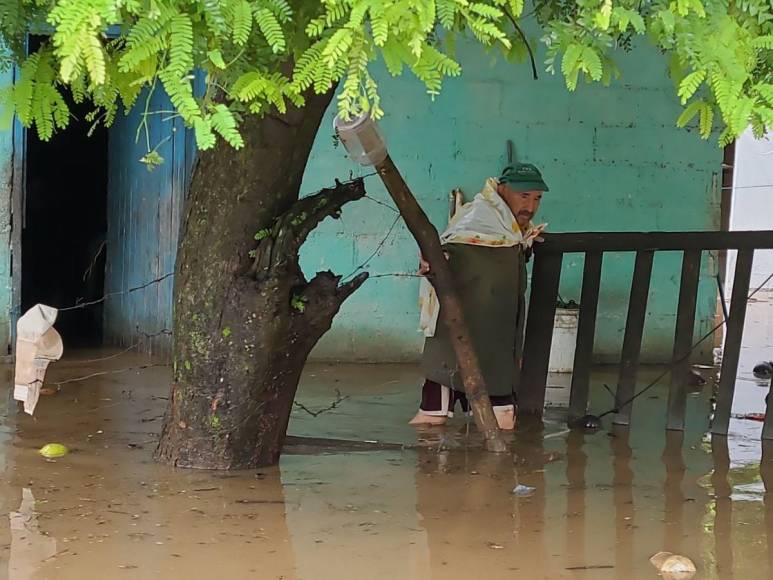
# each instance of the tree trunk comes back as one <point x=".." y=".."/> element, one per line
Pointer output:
<point x="451" y="312"/>
<point x="245" y="318"/>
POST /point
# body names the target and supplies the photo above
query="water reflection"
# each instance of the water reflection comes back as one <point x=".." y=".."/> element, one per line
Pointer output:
<point x="673" y="492"/>
<point x="766" y="474"/>
<point x="576" y="464"/>
<point x="723" y="507"/>
<point x="30" y="547"/>
<point x="624" y="501"/>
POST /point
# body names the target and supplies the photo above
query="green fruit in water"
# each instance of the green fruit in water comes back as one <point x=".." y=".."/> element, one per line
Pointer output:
<point x="53" y="450"/>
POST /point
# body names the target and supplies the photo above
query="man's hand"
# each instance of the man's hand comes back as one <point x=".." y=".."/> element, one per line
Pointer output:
<point x="423" y="266"/>
<point x="535" y="234"/>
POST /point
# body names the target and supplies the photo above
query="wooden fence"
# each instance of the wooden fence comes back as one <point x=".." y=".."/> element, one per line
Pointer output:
<point x="545" y="280"/>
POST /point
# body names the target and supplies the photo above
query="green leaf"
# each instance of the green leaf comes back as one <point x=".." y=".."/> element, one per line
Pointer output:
<point x="224" y="123"/>
<point x="380" y="29"/>
<point x="486" y="10"/>
<point x="242" y="22"/>
<point x="765" y="91"/>
<point x="592" y="63"/>
<point x="668" y="19"/>
<point x="763" y="42"/>
<point x="638" y="22"/>
<point x="271" y="29"/>
<point x="604" y="16"/>
<point x="392" y="58"/>
<point x="516" y="7"/>
<point x="706" y="120"/>
<point x="152" y="159"/>
<point x="298" y="302"/>
<point x="690" y="84"/>
<point x="570" y="64"/>
<point x="689" y="112"/>
<point x="216" y="57"/>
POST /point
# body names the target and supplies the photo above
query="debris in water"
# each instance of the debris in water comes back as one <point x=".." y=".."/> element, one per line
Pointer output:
<point x="695" y="379"/>
<point x="495" y="546"/>
<point x="523" y="490"/>
<point x="752" y="417"/>
<point x="763" y="370"/>
<point x="53" y="450"/>
<point x="673" y="566"/>
<point x="37" y="344"/>
<point x="589" y="422"/>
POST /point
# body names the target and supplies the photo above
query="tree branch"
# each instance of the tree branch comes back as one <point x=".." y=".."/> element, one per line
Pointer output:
<point x="279" y="247"/>
<point x="308" y="212"/>
<point x="323" y="296"/>
<point x="525" y="41"/>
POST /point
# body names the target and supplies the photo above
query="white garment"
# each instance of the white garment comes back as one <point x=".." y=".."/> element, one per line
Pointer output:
<point x="37" y="344"/>
<point x="485" y="221"/>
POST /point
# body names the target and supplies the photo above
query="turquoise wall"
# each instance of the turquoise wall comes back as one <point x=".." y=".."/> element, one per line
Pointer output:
<point x="613" y="160"/>
<point x="612" y="157"/>
<point x="6" y="177"/>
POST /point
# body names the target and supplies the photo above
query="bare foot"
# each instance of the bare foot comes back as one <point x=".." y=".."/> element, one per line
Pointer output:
<point x="422" y="419"/>
<point x="505" y="419"/>
<point x="48" y="391"/>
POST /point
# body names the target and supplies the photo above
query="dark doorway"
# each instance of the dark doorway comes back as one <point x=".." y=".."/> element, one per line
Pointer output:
<point x="65" y="224"/>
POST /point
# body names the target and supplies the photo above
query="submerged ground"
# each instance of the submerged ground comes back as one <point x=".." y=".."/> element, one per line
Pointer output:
<point x="602" y="503"/>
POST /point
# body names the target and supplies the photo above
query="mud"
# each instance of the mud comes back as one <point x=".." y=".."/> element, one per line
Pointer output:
<point x="360" y="494"/>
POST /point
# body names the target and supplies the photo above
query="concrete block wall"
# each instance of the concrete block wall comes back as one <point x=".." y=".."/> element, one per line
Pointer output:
<point x="613" y="159"/>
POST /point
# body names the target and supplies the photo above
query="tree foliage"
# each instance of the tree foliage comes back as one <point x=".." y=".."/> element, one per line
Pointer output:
<point x="260" y="55"/>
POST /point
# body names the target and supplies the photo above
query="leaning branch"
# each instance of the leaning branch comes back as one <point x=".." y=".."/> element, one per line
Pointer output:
<point x="308" y="212"/>
<point x="292" y="228"/>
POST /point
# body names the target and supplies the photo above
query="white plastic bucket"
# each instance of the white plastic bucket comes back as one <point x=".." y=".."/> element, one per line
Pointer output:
<point x="564" y="341"/>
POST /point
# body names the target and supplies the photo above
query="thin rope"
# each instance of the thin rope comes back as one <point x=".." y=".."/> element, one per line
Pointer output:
<point x="82" y="305"/>
<point x="117" y="293"/>
<point x="378" y="249"/>
<point x="379" y="202"/>
<point x="680" y="360"/>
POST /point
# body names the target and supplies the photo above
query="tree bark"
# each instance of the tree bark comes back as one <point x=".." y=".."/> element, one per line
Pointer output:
<point x="450" y="308"/>
<point x="245" y="317"/>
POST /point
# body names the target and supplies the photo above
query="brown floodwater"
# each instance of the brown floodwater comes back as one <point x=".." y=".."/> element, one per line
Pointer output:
<point x="360" y="494"/>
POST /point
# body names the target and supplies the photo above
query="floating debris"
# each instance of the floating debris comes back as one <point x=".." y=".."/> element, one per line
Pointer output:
<point x="673" y="566"/>
<point x="523" y="490"/>
<point x="763" y="370"/>
<point x="53" y="450"/>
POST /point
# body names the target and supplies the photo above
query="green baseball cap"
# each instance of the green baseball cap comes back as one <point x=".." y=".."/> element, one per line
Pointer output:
<point x="523" y="177"/>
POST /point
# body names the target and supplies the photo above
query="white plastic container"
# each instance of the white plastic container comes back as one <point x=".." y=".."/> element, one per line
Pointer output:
<point x="564" y="341"/>
<point x="362" y="139"/>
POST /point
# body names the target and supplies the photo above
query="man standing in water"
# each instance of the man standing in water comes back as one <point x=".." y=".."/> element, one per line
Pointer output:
<point x="486" y="244"/>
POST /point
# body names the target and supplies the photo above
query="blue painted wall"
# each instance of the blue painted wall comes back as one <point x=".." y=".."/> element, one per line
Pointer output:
<point x="6" y="184"/>
<point x="144" y="209"/>
<point x="612" y="157"/>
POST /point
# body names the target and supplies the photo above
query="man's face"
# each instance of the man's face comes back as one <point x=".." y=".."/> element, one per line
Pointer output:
<point x="523" y="204"/>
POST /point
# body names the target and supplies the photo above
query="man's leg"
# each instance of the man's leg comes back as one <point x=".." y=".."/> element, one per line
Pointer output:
<point x="504" y="409"/>
<point x="436" y="405"/>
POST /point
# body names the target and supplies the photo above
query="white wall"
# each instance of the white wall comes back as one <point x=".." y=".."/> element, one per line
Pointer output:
<point x="752" y="205"/>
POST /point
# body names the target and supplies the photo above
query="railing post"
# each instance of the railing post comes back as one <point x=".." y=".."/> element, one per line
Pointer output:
<point x="767" y="427"/>
<point x="634" y="329"/>
<point x="732" y="348"/>
<point x="683" y="335"/>
<point x="539" y="331"/>
<point x="586" y="333"/>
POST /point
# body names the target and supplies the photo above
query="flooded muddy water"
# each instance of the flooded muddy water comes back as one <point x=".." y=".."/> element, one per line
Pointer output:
<point x="418" y="504"/>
